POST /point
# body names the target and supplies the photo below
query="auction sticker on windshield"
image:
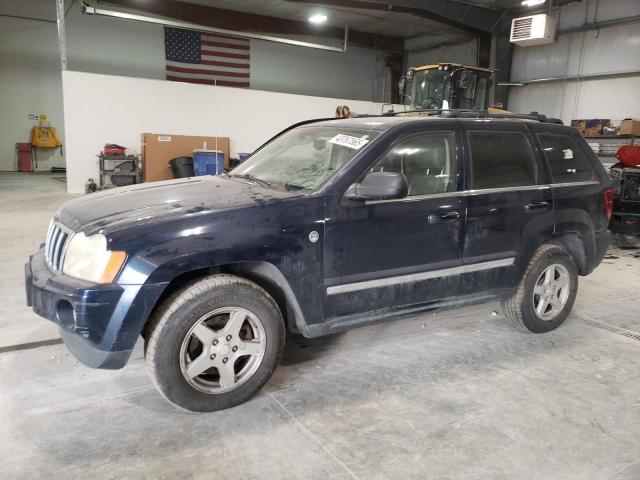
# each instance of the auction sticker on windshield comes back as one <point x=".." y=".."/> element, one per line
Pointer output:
<point x="348" y="141"/>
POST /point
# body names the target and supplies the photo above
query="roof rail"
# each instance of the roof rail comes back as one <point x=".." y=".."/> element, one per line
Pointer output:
<point x="467" y="113"/>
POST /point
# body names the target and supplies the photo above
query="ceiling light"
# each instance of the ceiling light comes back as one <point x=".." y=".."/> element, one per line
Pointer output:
<point x="532" y="3"/>
<point x="318" y="18"/>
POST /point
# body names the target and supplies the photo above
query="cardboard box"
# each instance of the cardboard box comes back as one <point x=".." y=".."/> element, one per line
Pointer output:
<point x="581" y="125"/>
<point x="158" y="149"/>
<point x="630" y="126"/>
<point x="591" y="127"/>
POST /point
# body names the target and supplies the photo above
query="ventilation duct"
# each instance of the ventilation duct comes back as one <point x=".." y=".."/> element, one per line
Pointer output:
<point x="533" y="30"/>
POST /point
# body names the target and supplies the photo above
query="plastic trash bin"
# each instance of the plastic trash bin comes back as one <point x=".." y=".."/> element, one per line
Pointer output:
<point x="208" y="162"/>
<point x="182" y="167"/>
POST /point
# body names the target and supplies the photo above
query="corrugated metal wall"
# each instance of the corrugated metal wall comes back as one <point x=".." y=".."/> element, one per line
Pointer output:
<point x="608" y="50"/>
<point x="463" y="52"/>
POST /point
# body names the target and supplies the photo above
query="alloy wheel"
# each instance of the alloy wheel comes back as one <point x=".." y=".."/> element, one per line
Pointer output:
<point x="551" y="291"/>
<point x="222" y="350"/>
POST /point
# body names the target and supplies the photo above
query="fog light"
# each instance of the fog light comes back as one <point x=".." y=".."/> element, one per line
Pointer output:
<point x="65" y="314"/>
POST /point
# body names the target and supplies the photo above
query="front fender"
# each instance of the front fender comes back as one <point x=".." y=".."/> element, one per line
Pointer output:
<point x="268" y="245"/>
<point x="265" y="274"/>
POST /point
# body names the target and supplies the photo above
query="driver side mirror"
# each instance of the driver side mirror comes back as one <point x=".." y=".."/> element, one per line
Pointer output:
<point x="379" y="186"/>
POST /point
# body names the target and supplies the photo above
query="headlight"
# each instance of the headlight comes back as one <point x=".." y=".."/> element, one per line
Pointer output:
<point x="87" y="258"/>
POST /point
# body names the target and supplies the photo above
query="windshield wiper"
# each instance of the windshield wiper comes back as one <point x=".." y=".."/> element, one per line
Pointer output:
<point x="250" y="177"/>
<point x="290" y="186"/>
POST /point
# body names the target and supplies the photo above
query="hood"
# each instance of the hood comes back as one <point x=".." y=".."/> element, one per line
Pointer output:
<point x="145" y="203"/>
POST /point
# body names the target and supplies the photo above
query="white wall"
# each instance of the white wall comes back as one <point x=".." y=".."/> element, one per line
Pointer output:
<point x="30" y="74"/>
<point x="607" y="50"/>
<point x="127" y="107"/>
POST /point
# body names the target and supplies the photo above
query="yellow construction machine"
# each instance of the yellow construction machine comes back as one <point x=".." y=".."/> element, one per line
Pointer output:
<point x="448" y="86"/>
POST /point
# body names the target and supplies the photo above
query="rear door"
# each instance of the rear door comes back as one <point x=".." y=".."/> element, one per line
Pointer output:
<point x="508" y="204"/>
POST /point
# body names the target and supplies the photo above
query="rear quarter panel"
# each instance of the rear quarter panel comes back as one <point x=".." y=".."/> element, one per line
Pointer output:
<point x="578" y="207"/>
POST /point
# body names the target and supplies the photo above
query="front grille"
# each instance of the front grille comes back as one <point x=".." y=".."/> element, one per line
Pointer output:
<point x="55" y="246"/>
<point x="631" y="187"/>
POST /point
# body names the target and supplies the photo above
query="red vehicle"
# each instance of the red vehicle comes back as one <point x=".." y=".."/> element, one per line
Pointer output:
<point x="625" y="180"/>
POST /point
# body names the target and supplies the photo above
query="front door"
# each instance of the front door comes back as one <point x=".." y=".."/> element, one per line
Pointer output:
<point x="397" y="253"/>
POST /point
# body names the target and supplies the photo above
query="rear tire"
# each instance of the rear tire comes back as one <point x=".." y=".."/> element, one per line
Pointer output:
<point x="546" y="293"/>
<point x="215" y="343"/>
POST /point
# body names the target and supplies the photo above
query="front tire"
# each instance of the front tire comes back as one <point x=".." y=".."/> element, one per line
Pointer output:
<point x="546" y="293"/>
<point x="214" y="344"/>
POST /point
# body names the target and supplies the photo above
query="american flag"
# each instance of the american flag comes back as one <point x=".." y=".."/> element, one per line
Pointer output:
<point x="208" y="58"/>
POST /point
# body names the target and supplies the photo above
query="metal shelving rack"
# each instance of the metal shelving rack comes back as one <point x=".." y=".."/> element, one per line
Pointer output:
<point x="608" y="145"/>
<point x="109" y="166"/>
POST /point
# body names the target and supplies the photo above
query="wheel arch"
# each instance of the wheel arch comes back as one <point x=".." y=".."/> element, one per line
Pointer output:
<point x="269" y="277"/>
<point x="264" y="274"/>
<point x="574" y="244"/>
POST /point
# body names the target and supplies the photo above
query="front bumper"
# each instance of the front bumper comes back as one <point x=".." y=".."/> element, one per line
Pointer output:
<point x="99" y="324"/>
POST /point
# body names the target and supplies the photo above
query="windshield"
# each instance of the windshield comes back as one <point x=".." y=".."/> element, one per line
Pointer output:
<point x="429" y="89"/>
<point x="305" y="157"/>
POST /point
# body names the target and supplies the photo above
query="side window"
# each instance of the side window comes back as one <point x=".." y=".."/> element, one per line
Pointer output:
<point x="501" y="159"/>
<point x="427" y="161"/>
<point x="567" y="160"/>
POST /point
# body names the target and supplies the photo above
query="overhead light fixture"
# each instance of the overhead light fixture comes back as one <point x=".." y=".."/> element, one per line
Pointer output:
<point x="317" y="18"/>
<point x="532" y="3"/>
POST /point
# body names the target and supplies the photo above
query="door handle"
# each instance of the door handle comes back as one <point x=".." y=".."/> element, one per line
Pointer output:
<point x="537" y="206"/>
<point x="443" y="217"/>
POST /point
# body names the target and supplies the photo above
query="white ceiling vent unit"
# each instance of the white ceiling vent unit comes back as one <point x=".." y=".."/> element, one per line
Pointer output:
<point x="533" y="30"/>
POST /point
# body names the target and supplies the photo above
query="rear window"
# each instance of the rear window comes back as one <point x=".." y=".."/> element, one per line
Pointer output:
<point x="501" y="159"/>
<point x="567" y="160"/>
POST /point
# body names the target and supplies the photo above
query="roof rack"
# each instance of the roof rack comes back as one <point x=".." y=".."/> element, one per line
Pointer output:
<point x="465" y="113"/>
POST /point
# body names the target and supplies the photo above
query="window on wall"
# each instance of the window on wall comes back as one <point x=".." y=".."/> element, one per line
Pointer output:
<point x="567" y="160"/>
<point x="501" y="159"/>
<point x="427" y="161"/>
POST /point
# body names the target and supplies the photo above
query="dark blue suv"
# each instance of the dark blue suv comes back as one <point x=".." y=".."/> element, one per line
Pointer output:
<point x="330" y="225"/>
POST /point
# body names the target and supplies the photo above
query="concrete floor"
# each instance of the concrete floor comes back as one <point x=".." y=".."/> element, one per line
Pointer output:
<point x="453" y="395"/>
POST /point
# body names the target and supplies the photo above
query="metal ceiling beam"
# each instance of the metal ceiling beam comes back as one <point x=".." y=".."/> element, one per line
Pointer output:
<point x="201" y="28"/>
<point x="575" y="78"/>
<point x="254" y="23"/>
<point x="62" y="35"/>
<point x="467" y="18"/>
<point x="480" y="22"/>
<point x="424" y="10"/>
<point x="464" y="16"/>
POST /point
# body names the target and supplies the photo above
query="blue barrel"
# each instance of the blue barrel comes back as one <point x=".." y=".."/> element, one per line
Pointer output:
<point x="243" y="156"/>
<point x="208" y="162"/>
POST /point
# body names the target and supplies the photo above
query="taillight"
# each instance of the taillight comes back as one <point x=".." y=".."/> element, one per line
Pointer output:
<point x="608" y="202"/>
